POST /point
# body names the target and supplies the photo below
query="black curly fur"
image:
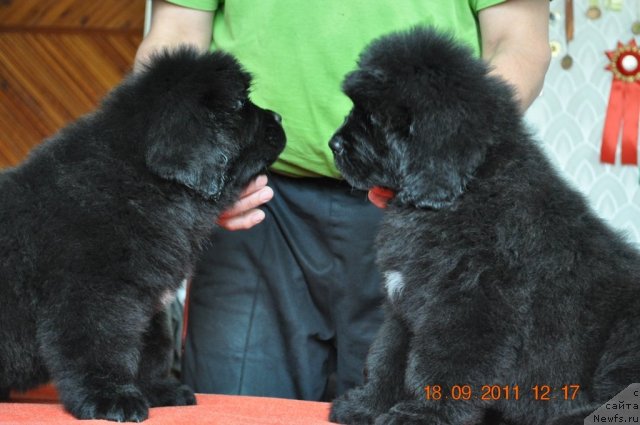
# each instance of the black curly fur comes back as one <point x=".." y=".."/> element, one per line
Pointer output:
<point x="498" y="272"/>
<point x="102" y="222"/>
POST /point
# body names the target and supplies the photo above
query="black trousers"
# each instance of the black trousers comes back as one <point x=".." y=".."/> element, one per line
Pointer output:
<point x="291" y="305"/>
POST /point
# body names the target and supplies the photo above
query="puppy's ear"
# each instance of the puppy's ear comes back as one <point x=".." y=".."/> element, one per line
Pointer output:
<point x="362" y="86"/>
<point x="436" y="180"/>
<point x="188" y="153"/>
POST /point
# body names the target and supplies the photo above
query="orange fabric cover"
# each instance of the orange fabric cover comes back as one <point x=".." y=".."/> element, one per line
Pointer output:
<point x="210" y="410"/>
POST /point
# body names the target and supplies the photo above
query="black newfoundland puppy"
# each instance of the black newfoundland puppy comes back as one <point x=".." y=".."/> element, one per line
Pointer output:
<point x="508" y="300"/>
<point x="99" y="226"/>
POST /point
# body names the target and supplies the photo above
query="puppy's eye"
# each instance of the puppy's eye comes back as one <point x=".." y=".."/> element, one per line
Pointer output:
<point x="375" y="119"/>
<point x="239" y="104"/>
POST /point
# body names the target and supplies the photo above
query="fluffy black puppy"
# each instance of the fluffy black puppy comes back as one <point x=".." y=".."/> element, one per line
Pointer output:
<point x="499" y="278"/>
<point x="99" y="226"/>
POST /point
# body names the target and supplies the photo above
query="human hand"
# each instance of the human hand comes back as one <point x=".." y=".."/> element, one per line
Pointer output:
<point x="244" y="214"/>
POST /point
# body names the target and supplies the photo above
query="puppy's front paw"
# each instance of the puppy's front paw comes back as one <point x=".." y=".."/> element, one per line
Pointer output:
<point x="413" y="412"/>
<point x="184" y="396"/>
<point x="123" y="403"/>
<point x="400" y="419"/>
<point x="349" y="409"/>
<point x="168" y="392"/>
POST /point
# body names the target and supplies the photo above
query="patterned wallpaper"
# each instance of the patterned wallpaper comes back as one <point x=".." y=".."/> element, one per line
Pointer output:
<point x="569" y="115"/>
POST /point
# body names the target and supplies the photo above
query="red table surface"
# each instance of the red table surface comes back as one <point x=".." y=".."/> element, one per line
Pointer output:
<point x="42" y="408"/>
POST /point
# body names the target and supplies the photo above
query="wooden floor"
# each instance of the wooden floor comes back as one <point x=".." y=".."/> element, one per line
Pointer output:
<point x="57" y="59"/>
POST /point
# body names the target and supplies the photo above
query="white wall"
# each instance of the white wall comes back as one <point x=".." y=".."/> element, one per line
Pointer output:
<point x="569" y="115"/>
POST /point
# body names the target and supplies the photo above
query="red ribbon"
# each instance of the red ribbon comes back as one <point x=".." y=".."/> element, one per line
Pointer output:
<point x="612" y="122"/>
<point x="630" y="125"/>
<point x="622" y="114"/>
<point x="623" y="110"/>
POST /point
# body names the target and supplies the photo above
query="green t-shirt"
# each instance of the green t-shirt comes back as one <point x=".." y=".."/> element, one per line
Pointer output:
<point x="298" y="52"/>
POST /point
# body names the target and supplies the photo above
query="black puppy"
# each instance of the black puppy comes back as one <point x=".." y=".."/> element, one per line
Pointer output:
<point x="99" y="226"/>
<point x="508" y="300"/>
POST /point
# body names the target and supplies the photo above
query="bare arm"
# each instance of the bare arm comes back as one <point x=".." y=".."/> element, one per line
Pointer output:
<point x="172" y="25"/>
<point x="515" y="41"/>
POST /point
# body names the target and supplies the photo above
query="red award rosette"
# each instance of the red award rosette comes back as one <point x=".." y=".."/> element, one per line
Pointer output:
<point x="624" y="105"/>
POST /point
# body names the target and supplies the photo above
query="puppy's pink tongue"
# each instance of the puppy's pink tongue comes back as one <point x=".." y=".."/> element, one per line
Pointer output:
<point x="380" y="196"/>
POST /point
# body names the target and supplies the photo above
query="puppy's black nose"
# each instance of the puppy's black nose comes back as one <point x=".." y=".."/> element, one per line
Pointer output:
<point x="277" y="117"/>
<point x="336" y="145"/>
